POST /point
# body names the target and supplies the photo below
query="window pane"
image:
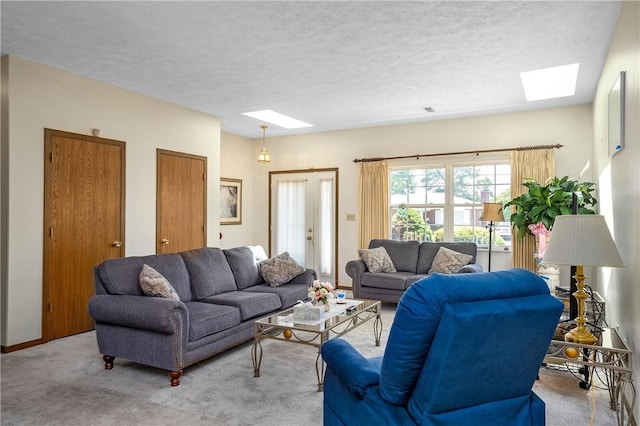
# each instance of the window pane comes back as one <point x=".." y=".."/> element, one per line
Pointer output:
<point x="463" y="189"/>
<point x="407" y="224"/>
<point x="434" y="178"/>
<point x="419" y="196"/>
<point x="416" y="223"/>
<point x="419" y="203"/>
<point x="436" y="195"/>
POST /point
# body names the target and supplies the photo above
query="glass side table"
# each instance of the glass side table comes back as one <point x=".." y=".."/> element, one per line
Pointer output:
<point x="611" y="355"/>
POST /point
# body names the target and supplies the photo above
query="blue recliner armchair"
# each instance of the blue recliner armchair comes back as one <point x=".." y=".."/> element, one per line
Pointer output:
<point x="463" y="349"/>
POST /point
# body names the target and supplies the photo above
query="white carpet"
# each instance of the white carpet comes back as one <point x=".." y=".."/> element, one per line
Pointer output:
<point x="64" y="382"/>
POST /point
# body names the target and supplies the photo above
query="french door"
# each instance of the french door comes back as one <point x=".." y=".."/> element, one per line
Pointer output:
<point x="303" y="218"/>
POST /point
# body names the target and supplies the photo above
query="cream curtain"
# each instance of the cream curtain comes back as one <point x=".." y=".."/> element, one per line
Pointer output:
<point x="373" y="206"/>
<point x="532" y="164"/>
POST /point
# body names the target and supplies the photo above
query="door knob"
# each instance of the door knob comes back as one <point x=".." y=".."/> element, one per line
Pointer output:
<point x="164" y="242"/>
<point x="309" y="238"/>
<point x="116" y="244"/>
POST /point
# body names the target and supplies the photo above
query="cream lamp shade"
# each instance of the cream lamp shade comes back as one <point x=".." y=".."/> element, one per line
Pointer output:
<point x="581" y="240"/>
<point x="492" y="212"/>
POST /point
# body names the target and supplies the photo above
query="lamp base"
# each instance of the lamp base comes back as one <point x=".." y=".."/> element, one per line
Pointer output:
<point x="578" y="335"/>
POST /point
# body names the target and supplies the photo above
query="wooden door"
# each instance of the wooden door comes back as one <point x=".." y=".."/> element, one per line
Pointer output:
<point x="181" y="201"/>
<point x="83" y="224"/>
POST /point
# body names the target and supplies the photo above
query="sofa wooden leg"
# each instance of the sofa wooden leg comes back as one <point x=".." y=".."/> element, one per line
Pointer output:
<point x="175" y="377"/>
<point x="108" y="362"/>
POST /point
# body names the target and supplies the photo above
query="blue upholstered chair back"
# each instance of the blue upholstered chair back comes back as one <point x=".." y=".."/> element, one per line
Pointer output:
<point x="460" y="342"/>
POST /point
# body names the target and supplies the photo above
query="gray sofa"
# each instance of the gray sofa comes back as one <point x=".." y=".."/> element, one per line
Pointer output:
<point x="412" y="261"/>
<point x="221" y="294"/>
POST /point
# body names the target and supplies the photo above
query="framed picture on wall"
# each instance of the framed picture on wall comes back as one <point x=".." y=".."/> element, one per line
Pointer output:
<point x="230" y="201"/>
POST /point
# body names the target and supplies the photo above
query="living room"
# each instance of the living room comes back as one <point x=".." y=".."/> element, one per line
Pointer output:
<point x="36" y="96"/>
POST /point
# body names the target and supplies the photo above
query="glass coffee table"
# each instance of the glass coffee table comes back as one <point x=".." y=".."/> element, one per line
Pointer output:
<point x="335" y="323"/>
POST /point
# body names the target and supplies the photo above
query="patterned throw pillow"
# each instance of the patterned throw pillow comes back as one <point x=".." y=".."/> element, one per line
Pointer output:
<point x="377" y="260"/>
<point x="280" y="269"/>
<point x="449" y="261"/>
<point x="154" y="284"/>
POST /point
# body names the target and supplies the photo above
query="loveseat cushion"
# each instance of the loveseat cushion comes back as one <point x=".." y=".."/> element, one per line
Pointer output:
<point x="404" y="254"/>
<point x="243" y="266"/>
<point x="121" y="275"/>
<point x="209" y="270"/>
<point x="206" y="319"/>
<point x="251" y="304"/>
<point x="394" y="281"/>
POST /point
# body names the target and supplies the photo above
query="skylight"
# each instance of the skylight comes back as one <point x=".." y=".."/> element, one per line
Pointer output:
<point x="549" y="83"/>
<point x="277" y="119"/>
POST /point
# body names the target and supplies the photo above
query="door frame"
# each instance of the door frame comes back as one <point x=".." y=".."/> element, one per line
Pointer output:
<point x="337" y="198"/>
<point x="49" y="134"/>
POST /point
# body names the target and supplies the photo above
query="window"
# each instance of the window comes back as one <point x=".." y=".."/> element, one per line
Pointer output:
<point x="444" y="203"/>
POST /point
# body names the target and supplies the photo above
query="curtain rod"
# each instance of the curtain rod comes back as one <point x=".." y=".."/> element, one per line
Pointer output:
<point x="418" y="156"/>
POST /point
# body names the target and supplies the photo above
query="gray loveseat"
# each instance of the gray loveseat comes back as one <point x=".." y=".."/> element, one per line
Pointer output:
<point x="412" y="261"/>
<point x="221" y="294"/>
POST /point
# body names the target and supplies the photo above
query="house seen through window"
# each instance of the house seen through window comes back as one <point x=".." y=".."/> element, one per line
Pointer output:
<point x="445" y="203"/>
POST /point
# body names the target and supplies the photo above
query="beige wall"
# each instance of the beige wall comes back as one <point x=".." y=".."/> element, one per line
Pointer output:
<point x="238" y="156"/>
<point x="42" y="97"/>
<point x="619" y="182"/>
<point x="570" y="126"/>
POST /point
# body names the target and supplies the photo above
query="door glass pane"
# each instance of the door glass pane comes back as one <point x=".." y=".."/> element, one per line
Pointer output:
<point x="325" y="227"/>
<point x="290" y="236"/>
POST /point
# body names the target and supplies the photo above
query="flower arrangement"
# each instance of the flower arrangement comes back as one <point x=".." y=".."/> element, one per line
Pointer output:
<point x="320" y="292"/>
<point x="541" y="233"/>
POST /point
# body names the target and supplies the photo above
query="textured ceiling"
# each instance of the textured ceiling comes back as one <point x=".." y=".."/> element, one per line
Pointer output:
<point x="334" y="64"/>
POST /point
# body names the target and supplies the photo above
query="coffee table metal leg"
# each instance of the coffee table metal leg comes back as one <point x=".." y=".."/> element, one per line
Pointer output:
<point x="377" y="327"/>
<point x="320" y="371"/>
<point x="256" y="356"/>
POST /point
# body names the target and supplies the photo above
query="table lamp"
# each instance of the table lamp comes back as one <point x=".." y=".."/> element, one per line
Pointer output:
<point x="491" y="212"/>
<point x="581" y="240"/>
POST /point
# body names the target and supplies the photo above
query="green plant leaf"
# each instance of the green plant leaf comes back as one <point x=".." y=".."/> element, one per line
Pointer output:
<point x="543" y="203"/>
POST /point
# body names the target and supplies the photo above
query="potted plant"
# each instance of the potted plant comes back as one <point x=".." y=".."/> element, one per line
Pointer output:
<point x="542" y="203"/>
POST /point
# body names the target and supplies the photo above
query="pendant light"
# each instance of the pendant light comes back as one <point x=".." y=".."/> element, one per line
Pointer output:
<point x="264" y="157"/>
